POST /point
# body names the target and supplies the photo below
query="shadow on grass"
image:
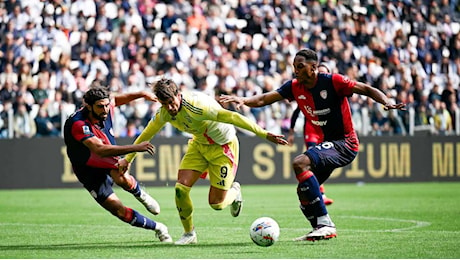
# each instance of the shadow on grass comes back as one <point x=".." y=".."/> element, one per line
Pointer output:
<point x="79" y="246"/>
<point x="133" y="245"/>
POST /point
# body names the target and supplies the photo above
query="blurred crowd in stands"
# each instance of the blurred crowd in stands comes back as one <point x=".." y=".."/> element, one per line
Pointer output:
<point x="52" y="51"/>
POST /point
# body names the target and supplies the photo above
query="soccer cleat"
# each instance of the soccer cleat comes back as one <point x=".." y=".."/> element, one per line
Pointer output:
<point x="162" y="233"/>
<point x="319" y="233"/>
<point x="150" y="203"/>
<point x="187" y="239"/>
<point x="327" y="201"/>
<point x="237" y="204"/>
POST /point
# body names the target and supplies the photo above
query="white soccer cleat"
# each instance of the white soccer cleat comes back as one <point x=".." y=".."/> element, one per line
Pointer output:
<point x="150" y="203"/>
<point x="319" y="233"/>
<point x="187" y="239"/>
<point x="237" y="204"/>
<point x="162" y="233"/>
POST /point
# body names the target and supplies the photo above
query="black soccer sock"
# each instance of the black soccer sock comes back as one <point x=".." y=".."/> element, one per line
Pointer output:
<point x="310" y="197"/>
<point x="307" y="211"/>
<point x="135" y="188"/>
<point x="136" y="219"/>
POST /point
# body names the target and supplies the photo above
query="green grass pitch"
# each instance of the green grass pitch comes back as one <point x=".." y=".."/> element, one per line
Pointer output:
<point x="410" y="220"/>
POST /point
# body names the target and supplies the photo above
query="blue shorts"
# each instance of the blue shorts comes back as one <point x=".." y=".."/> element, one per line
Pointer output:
<point x="329" y="155"/>
<point x="96" y="180"/>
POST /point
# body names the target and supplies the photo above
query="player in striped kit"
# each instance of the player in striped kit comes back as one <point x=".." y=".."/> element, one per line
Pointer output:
<point x="91" y="148"/>
<point x="322" y="99"/>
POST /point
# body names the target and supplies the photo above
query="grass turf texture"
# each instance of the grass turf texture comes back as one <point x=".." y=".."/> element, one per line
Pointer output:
<point x="416" y="220"/>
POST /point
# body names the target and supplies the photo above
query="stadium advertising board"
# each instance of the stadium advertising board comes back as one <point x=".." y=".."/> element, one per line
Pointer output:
<point x="42" y="162"/>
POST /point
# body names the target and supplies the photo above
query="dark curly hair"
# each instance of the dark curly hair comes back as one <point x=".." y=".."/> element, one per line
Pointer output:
<point x="94" y="94"/>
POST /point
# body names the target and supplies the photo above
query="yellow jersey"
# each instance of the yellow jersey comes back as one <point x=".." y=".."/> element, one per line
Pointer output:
<point x="204" y="118"/>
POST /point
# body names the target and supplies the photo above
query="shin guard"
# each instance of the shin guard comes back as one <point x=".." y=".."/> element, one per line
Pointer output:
<point x="184" y="206"/>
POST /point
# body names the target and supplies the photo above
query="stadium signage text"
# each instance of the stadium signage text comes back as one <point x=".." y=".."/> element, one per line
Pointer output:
<point x="384" y="159"/>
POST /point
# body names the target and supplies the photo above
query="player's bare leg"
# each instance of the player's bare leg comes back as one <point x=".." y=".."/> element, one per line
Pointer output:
<point x="219" y="199"/>
<point x="129" y="183"/>
<point x="114" y="205"/>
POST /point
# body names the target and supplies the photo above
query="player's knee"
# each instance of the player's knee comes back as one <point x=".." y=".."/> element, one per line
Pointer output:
<point x="300" y="163"/>
<point x="217" y="206"/>
<point x="120" y="180"/>
<point x="181" y="190"/>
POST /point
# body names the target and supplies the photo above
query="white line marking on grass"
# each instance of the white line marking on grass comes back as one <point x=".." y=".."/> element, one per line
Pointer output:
<point x="417" y="223"/>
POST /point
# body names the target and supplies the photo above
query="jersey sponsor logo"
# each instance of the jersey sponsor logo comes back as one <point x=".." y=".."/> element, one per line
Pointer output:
<point x="302" y="97"/>
<point x="322" y="112"/>
<point x="86" y="130"/>
<point x="111" y="131"/>
<point x="319" y="123"/>
<point x="323" y="94"/>
<point x="313" y="113"/>
<point x="309" y="110"/>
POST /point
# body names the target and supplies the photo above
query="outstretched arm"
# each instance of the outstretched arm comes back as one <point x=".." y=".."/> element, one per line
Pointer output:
<point x="152" y="128"/>
<point x="377" y="95"/>
<point x="227" y="116"/>
<point x="105" y="150"/>
<point x="254" y="101"/>
<point x="125" y="98"/>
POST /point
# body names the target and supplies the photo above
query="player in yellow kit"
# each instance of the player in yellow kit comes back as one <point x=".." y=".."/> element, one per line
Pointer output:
<point x="214" y="148"/>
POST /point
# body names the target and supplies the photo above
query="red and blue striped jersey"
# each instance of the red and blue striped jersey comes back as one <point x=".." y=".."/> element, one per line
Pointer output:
<point x="325" y="107"/>
<point x="77" y="129"/>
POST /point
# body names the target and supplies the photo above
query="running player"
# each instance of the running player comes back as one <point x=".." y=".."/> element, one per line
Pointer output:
<point x="310" y="139"/>
<point x="323" y="101"/>
<point x="214" y="148"/>
<point x="93" y="153"/>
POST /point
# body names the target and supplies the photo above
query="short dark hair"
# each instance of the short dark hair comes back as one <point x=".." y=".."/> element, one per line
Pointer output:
<point x="94" y="94"/>
<point x="165" y="89"/>
<point x="324" y="65"/>
<point x="308" y="54"/>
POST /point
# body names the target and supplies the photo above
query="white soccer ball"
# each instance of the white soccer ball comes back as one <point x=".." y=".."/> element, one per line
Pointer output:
<point x="264" y="231"/>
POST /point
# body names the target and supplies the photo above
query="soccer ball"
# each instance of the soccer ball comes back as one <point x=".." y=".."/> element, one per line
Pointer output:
<point x="264" y="231"/>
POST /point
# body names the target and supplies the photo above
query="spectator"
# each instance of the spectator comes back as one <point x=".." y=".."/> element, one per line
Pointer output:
<point x="442" y="119"/>
<point x="8" y="74"/>
<point x="392" y="42"/>
<point x="44" y="126"/>
<point x="46" y="63"/>
<point x="24" y="125"/>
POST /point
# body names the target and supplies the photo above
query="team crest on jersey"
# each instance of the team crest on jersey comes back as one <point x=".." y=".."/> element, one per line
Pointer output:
<point x="86" y="130"/>
<point x="323" y="94"/>
<point x="302" y="97"/>
<point x="345" y="79"/>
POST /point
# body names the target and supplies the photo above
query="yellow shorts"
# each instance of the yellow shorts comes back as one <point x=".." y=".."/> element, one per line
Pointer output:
<point x="220" y="161"/>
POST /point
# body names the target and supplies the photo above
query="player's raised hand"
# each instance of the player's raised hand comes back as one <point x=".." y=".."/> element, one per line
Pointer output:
<point x="277" y="139"/>
<point x="400" y="106"/>
<point x="146" y="146"/>
<point x="122" y="165"/>
<point x="239" y="101"/>
<point x="150" y="96"/>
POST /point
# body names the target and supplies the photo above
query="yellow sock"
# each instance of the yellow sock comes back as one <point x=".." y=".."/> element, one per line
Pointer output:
<point x="184" y="206"/>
